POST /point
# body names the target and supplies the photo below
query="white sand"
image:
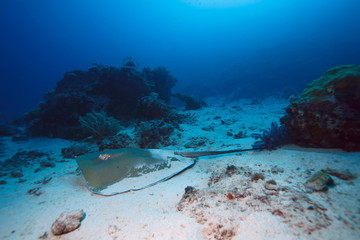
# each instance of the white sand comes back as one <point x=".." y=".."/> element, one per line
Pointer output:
<point x="153" y="213"/>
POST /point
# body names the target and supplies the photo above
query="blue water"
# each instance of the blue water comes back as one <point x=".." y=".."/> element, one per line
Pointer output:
<point x="253" y="49"/>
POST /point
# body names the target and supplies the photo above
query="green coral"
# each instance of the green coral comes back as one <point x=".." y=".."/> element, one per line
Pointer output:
<point x="331" y="82"/>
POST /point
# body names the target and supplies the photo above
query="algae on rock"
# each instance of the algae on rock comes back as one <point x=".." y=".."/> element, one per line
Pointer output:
<point x="327" y="114"/>
<point x="319" y="181"/>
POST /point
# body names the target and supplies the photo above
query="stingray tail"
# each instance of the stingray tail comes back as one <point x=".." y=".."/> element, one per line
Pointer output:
<point x="211" y="153"/>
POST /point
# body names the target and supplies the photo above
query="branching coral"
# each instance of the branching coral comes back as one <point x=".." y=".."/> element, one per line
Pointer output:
<point x="272" y="138"/>
<point x="100" y="125"/>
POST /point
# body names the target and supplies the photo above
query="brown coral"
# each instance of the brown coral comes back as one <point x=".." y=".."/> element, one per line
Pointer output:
<point x="327" y="114"/>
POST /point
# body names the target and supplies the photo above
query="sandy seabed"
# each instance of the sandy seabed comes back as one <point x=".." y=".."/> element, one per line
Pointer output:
<point x="226" y="202"/>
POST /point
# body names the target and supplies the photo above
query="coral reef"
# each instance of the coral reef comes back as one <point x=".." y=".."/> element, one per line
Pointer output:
<point x="100" y="125"/>
<point x="75" y="150"/>
<point x="130" y="63"/>
<point x="196" y="142"/>
<point x="116" y="142"/>
<point x="191" y="103"/>
<point x="25" y="159"/>
<point x="125" y="94"/>
<point x="153" y="133"/>
<point x="327" y="114"/>
<point x="151" y="107"/>
<point x="14" y="130"/>
<point x="1" y="147"/>
<point x="160" y="80"/>
<point x="8" y="130"/>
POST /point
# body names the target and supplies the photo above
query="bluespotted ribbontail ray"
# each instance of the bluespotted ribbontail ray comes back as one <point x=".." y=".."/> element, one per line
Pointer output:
<point x="130" y="169"/>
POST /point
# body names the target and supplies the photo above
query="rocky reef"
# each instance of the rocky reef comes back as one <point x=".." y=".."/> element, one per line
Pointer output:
<point x="327" y="113"/>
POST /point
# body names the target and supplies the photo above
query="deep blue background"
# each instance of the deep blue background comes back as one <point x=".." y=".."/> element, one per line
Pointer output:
<point x="269" y="47"/>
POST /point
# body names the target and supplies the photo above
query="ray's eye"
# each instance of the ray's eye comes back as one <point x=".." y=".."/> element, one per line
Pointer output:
<point x="104" y="156"/>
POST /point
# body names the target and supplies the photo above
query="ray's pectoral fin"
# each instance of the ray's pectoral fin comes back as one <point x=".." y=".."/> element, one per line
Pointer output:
<point x="118" y="171"/>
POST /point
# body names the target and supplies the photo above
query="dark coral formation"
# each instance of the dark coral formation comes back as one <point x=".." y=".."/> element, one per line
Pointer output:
<point x="196" y="142"/>
<point x="99" y="125"/>
<point x="341" y="174"/>
<point x="75" y="150"/>
<point x="327" y="114"/>
<point x="161" y="81"/>
<point x="272" y="138"/>
<point x="191" y="103"/>
<point x="2" y="147"/>
<point x="13" y="166"/>
<point x="102" y="98"/>
<point x="119" y="141"/>
<point x="152" y="107"/>
<point x="8" y="130"/>
<point x="152" y="133"/>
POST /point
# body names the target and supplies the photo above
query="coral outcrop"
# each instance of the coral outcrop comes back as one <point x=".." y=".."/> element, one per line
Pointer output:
<point x="100" y="125"/>
<point x="327" y="113"/>
<point x="319" y="181"/>
<point x="191" y="103"/>
<point x="102" y="98"/>
<point x="153" y="133"/>
<point x="272" y="138"/>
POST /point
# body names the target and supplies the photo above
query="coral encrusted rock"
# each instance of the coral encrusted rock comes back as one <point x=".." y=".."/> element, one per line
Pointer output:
<point x="327" y="114"/>
<point x="319" y="181"/>
<point x="67" y="222"/>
